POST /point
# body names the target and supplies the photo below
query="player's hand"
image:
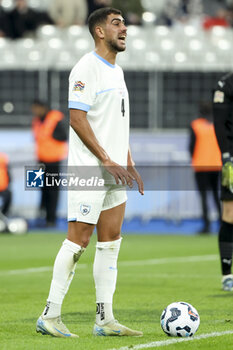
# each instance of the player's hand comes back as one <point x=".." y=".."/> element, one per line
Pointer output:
<point x="227" y="175"/>
<point x="137" y="177"/>
<point x="118" y="172"/>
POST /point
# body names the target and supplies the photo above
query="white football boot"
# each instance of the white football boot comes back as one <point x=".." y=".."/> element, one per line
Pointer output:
<point x="227" y="283"/>
<point x="114" y="328"/>
<point x="54" y="327"/>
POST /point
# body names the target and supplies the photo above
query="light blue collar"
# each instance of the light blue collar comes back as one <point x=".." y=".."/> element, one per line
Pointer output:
<point x="103" y="60"/>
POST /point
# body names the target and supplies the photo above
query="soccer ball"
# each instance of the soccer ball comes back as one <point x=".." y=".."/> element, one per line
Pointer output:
<point x="180" y="320"/>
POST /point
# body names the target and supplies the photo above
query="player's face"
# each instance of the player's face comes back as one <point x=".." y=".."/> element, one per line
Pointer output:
<point x="115" y="33"/>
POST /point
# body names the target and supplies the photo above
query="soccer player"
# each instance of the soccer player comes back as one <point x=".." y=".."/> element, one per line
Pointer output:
<point x="223" y="121"/>
<point x="99" y="136"/>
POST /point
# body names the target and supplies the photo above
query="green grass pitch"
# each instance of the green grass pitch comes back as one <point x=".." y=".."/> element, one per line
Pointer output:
<point x="147" y="282"/>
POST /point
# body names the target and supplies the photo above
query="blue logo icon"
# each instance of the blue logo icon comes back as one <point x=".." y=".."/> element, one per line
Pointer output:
<point x="35" y="178"/>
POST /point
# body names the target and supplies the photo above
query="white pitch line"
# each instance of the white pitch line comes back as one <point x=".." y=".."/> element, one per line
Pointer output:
<point x="178" y="275"/>
<point x="33" y="270"/>
<point x="160" y="261"/>
<point x="25" y="271"/>
<point x="157" y="344"/>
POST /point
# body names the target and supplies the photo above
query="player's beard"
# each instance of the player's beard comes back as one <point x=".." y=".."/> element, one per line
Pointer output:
<point x="113" y="45"/>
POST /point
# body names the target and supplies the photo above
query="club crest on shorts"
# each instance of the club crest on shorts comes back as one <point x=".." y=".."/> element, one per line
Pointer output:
<point x="85" y="209"/>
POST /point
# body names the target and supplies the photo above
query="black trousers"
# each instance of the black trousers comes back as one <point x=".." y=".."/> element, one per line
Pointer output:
<point x="50" y="195"/>
<point x="5" y="198"/>
<point x="208" y="181"/>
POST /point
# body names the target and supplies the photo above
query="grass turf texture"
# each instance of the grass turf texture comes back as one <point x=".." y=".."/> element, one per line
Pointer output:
<point x="143" y="291"/>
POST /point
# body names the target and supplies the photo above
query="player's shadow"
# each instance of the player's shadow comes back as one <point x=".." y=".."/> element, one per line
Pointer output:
<point x="84" y="317"/>
<point x="145" y="315"/>
<point x="126" y="315"/>
<point x="123" y="315"/>
<point x="223" y="295"/>
<point x="69" y="317"/>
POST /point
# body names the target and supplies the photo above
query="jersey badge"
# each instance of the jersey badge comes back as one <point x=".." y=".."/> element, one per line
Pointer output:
<point x="78" y="86"/>
<point x="85" y="209"/>
<point x="218" y="96"/>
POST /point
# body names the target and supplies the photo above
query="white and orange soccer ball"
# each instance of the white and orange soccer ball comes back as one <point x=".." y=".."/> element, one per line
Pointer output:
<point x="180" y="319"/>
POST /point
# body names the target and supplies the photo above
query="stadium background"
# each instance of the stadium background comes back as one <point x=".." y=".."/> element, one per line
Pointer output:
<point x="168" y="70"/>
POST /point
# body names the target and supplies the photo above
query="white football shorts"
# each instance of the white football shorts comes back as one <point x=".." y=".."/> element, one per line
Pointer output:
<point x="86" y="206"/>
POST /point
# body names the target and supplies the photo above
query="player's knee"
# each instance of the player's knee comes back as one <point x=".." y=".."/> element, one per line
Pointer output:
<point x="84" y="241"/>
<point x="110" y="230"/>
<point x="80" y="233"/>
<point x="110" y="233"/>
<point x="114" y="235"/>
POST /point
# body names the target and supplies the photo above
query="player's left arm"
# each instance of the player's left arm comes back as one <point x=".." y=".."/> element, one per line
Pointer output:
<point x="222" y="109"/>
<point x="133" y="171"/>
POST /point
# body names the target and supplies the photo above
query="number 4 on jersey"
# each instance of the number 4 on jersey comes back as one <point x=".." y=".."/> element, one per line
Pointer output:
<point x="123" y="107"/>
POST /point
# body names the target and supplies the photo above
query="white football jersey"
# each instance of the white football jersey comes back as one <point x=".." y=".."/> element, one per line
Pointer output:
<point x="98" y="87"/>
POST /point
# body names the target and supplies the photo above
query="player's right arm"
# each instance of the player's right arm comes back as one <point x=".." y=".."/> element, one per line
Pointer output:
<point x="222" y="109"/>
<point x="80" y="124"/>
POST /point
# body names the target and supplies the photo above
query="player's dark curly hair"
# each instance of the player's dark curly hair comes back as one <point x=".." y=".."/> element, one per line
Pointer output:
<point x="99" y="17"/>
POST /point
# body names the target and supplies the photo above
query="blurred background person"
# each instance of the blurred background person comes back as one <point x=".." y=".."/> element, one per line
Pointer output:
<point x="230" y="15"/>
<point x="5" y="24"/>
<point x="97" y="4"/>
<point x="5" y="192"/>
<point x="69" y="12"/>
<point x="211" y="7"/>
<point x="51" y="148"/>
<point x="220" y="18"/>
<point x="206" y="160"/>
<point x="132" y="10"/>
<point x="25" y="20"/>
<point x="181" y="12"/>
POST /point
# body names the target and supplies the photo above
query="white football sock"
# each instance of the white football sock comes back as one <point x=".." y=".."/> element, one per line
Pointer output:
<point x="105" y="276"/>
<point x="52" y="310"/>
<point x="63" y="273"/>
<point x="225" y="277"/>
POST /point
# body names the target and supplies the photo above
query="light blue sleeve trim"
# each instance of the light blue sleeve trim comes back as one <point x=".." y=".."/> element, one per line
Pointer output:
<point x="79" y="105"/>
<point x="107" y="90"/>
